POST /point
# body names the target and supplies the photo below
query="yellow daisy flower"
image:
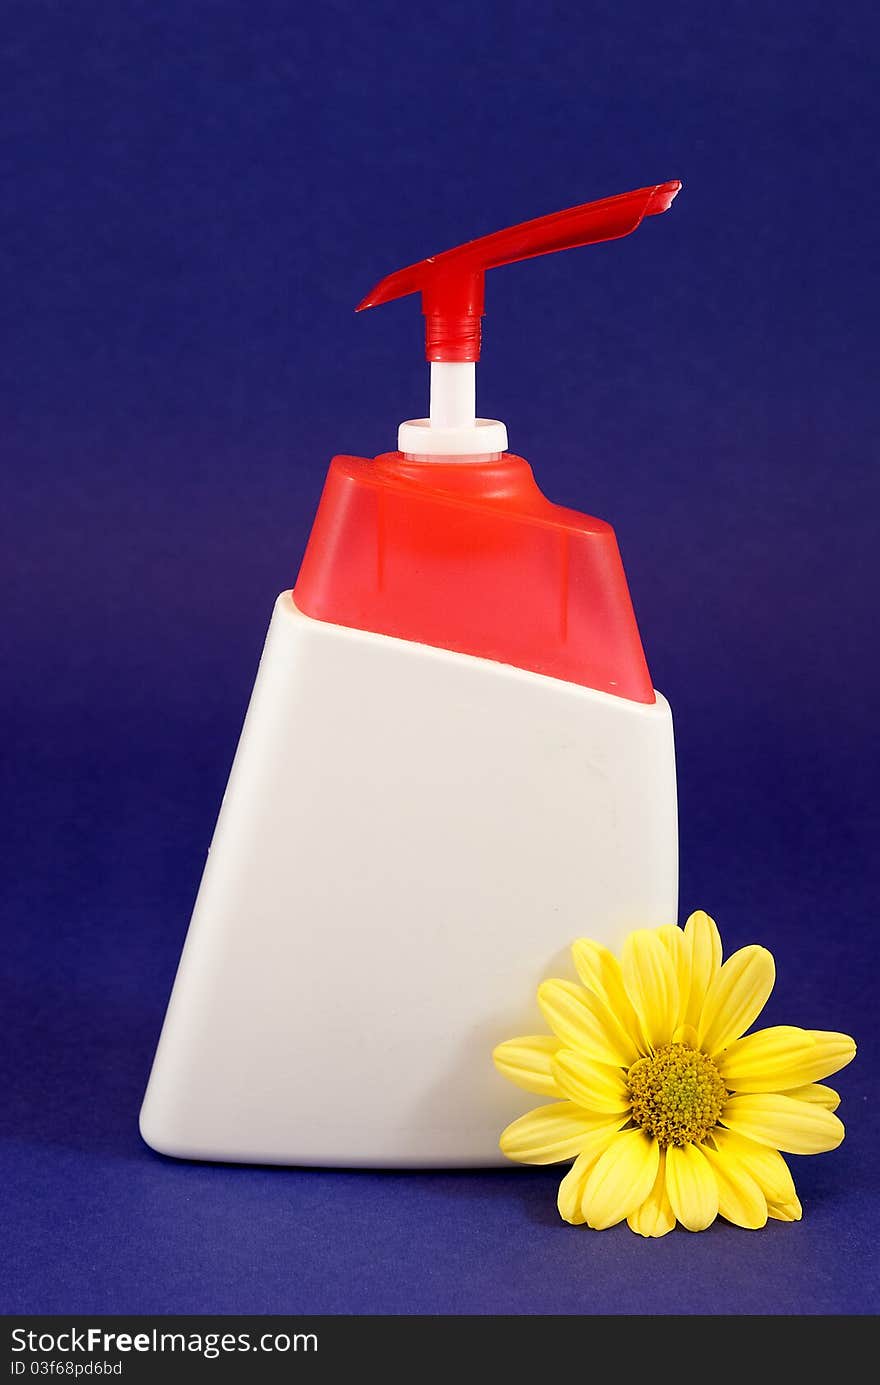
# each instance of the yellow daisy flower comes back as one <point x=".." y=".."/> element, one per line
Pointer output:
<point x="670" y="1111"/>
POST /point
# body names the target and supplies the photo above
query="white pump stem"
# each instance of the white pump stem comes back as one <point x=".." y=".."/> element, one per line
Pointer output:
<point x="452" y="430"/>
<point x="453" y="394"/>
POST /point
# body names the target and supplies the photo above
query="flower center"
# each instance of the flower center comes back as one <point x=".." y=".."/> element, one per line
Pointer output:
<point x="677" y="1094"/>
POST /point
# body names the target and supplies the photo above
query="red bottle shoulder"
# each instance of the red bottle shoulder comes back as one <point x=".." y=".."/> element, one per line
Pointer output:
<point x="472" y="557"/>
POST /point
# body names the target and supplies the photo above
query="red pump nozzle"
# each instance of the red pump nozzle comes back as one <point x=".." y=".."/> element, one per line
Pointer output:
<point x="451" y="284"/>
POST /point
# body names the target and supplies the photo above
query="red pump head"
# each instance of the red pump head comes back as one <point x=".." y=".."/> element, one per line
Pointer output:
<point x="451" y="284"/>
<point x="448" y="541"/>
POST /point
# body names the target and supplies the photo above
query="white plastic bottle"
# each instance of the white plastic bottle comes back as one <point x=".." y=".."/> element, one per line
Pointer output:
<point x="453" y="764"/>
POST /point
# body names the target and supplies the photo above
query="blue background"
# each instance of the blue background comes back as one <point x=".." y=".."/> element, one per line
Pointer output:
<point x="194" y="196"/>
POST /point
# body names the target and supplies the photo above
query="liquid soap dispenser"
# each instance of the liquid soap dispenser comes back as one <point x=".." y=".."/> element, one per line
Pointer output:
<point x="453" y="764"/>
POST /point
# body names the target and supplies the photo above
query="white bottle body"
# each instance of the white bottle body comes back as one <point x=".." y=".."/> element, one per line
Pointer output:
<point x="409" y="841"/>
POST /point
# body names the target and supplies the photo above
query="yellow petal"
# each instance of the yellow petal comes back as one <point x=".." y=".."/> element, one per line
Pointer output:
<point x="651" y="984"/>
<point x="830" y="1053"/>
<point x="740" y="1199"/>
<point x="762" y="1062"/>
<point x="571" y="1190"/>
<point x="621" y="1179"/>
<point x="583" y="1021"/>
<point x="692" y="1187"/>
<point x="785" y="1211"/>
<point x="766" y="1166"/>
<point x="735" y="998"/>
<point x="704" y="942"/>
<point x="529" y="1063"/>
<point x="655" y="1216"/>
<point x="677" y="946"/>
<point x="562" y="1005"/>
<point x="600" y="972"/>
<point x="624" y="1042"/>
<point x="823" y="1096"/>
<point x="552" y="1133"/>
<point x="594" y="1086"/>
<point x="798" y="1127"/>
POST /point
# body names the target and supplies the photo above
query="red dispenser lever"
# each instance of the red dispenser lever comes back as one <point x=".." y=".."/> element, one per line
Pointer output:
<point x="451" y="284"/>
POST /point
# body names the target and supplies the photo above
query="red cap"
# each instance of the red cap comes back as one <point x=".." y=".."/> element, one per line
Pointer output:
<point x="451" y="284"/>
<point x="475" y="559"/>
